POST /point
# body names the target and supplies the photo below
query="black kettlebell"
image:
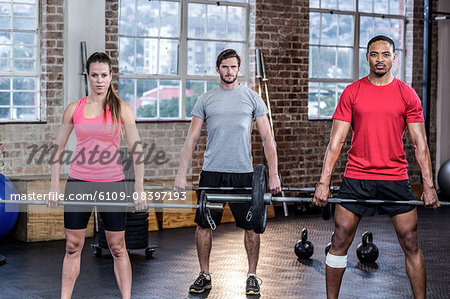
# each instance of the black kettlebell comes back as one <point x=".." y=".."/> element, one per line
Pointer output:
<point x="367" y="252"/>
<point x="304" y="249"/>
<point x="329" y="244"/>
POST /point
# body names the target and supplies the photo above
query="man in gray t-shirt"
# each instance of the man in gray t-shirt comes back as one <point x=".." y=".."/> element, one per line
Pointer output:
<point x="229" y="111"/>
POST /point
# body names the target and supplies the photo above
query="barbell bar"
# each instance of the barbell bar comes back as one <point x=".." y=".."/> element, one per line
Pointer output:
<point x="287" y="189"/>
<point x="210" y="206"/>
<point x="268" y="198"/>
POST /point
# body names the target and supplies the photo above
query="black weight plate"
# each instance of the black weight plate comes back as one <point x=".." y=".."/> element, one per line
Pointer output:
<point x="258" y="207"/>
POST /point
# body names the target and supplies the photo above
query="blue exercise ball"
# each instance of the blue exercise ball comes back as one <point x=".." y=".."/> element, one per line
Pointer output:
<point x="8" y="213"/>
<point x="444" y="179"/>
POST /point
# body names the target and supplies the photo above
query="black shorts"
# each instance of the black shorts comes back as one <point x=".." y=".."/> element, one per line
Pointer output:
<point x="226" y="179"/>
<point x="77" y="217"/>
<point x="376" y="189"/>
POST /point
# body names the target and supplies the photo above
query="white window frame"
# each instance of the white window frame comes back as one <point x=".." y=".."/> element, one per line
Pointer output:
<point x="11" y="74"/>
<point x="356" y="48"/>
<point x="183" y="75"/>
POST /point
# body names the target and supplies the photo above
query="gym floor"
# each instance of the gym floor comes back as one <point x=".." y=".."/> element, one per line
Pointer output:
<point x="33" y="269"/>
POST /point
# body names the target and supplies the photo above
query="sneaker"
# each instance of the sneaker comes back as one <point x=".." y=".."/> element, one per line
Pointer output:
<point x="253" y="285"/>
<point x="201" y="284"/>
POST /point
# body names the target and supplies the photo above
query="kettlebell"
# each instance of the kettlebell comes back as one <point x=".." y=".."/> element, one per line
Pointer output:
<point x="304" y="249"/>
<point x="329" y="244"/>
<point x="367" y="252"/>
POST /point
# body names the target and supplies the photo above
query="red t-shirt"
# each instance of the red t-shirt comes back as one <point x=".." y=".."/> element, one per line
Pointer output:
<point x="378" y="115"/>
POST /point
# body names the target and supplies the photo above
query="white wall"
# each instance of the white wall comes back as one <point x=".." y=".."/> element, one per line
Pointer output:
<point x="84" y="20"/>
<point x="443" y="87"/>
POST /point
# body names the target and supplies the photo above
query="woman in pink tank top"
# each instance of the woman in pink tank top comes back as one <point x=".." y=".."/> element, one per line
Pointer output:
<point x="99" y="120"/>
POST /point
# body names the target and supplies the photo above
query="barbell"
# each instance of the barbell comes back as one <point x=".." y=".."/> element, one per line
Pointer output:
<point x="259" y="199"/>
<point x="287" y="189"/>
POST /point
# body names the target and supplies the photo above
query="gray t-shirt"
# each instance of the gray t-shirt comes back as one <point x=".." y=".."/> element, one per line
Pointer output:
<point x="229" y="114"/>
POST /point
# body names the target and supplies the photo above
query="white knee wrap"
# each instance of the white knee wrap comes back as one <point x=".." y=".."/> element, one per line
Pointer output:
<point x="335" y="261"/>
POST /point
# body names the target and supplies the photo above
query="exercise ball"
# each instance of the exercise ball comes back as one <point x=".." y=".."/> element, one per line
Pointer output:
<point x="444" y="179"/>
<point x="10" y="213"/>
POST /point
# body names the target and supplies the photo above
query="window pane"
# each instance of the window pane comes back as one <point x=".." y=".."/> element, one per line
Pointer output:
<point x="4" y="83"/>
<point x="365" y="6"/>
<point x="24" y="10"/>
<point x="24" y="65"/>
<point x="314" y="27"/>
<point x="147" y="98"/>
<point x="345" y="30"/>
<point x="24" y="52"/>
<point x="146" y="56"/>
<point x="396" y="8"/>
<point x="327" y="99"/>
<point x="147" y="18"/>
<point x="328" y="4"/>
<point x="4" y="113"/>
<point x="193" y="90"/>
<point x="196" y="20"/>
<point x="344" y="67"/>
<point x="397" y="65"/>
<point x="381" y="6"/>
<point x="5" y="98"/>
<point x="5" y="9"/>
<point x="196" y="58"/>
<point x="212" y="51"/>
<point x="329" y="29"/>
<point x="327" y="62"/>
<point x="4" y="65"/>
<point x="5" y="22"/>
<point x="126" y="55"/>
<point x="366" y="31"/>
<point x="168" y="57"/>
<point x="313" y="100"/>
<point x="5" y="38"/>
<point x="127" y="17"/>
<point x="26" y="113"/>
<point x="23" y="38"/>
<point x="5" y="51"/>
<point x="363" y="64"/>
<point x="347" y="5"/>
<point x="313" y="62"/>
<point x="126" y="91"/>
<point x="236" y="23"/>
<point x="169" y="98"/>
<point x="24" y="98"/>
<point x="24" y="23"/>
<point x="381" y="26"/>
<point x="24" y="83"/>
<point x="340" y="89"/>
<point x="169" y="19"/>
<point x="397" y="32"/>
<point x="314" y="3"/>
<point x="217" y="21"/>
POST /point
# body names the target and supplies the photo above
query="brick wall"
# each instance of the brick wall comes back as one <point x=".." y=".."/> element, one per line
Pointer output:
<point x="17" y="137"/>
<point x="280" y="29"/>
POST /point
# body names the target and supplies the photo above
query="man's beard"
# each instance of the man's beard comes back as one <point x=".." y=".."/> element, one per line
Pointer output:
<point x="227" y="81"/>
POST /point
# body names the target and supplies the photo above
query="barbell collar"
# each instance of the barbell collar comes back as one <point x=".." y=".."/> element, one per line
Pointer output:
<point x="211" y="206"/>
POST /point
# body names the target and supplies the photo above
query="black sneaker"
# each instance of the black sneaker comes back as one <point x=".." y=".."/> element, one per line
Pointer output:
<point x="201" y="284"/>
<point x="253" y="285"/>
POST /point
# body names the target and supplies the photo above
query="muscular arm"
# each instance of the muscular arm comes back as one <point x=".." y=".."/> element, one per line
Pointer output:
<point x="270" y="151"/>
<point x="339" y="133"/>
<point x="186" y="153"/>
<point x="419" y="141"/>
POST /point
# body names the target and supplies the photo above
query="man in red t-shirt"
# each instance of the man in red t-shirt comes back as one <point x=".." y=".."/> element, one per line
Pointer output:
<point x="378" y="108"/>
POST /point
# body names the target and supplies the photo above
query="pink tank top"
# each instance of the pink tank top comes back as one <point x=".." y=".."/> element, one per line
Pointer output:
<point x="97" y="156"/>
